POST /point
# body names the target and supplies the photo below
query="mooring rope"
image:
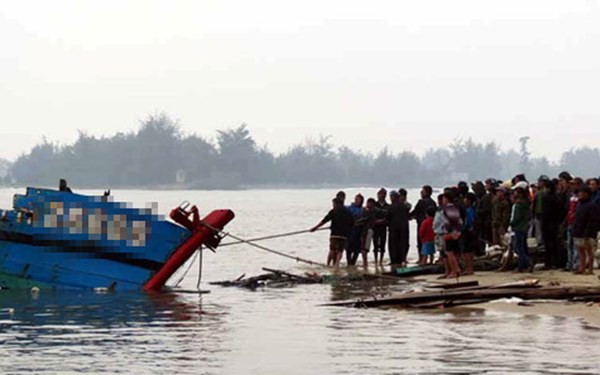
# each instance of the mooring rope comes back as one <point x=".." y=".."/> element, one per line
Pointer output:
<point x="288" y="234"/>
<point x="184" y="274"/>
<point x="272" y="251"/>
<point x="250" y="242"/>
<point x="200" y="251"/>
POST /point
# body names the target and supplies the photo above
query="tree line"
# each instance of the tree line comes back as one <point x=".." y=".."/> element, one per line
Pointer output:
<point x="159" y="154"/>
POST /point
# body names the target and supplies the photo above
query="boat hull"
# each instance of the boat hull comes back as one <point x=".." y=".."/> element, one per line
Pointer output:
<point x="27" y="266"/>
<point x="62" y="240"/>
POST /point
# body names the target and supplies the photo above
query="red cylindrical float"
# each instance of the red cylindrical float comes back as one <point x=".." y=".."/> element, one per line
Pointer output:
<point x="216" y="219"/>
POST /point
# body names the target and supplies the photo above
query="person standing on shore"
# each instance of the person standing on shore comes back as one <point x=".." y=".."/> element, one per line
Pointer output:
<point x="405" y="241"/>
<point x="594" y="185"/>
<point x="564" y="195"/>
<point x="404" y="198"/>
<point x="341" y="195"/>
<point x="479" y="190"/>
<point x="553" y="215"/>
<point x="485" y="210"/>
<point x="397" y="220"/>
<point x="427" y="238"/>
<point x="500" y="215"/>
<point x="453" y="227"/>
<point x="469" y="240"/>
<point x="440" y="231"/>
<point x="341" y="226"/>
<point x="380" y="228"/>
<point x="368" y="220"/>
<point x="354" y="245"/>
<point x="585" y="229"/>
<point x="419" y="213"/>
<point x="572" y="254"/>
<point x="519" y="222"/>
<point x="538" y="209"/>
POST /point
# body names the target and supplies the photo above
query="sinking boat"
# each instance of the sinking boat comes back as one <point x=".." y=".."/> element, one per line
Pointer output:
<point x="61" y="240"/>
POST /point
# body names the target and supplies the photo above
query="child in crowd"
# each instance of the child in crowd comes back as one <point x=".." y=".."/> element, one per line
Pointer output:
<point x="427" y="237"/>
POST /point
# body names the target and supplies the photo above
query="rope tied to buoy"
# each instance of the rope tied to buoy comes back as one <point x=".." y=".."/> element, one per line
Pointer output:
<point x="251" y="242"/>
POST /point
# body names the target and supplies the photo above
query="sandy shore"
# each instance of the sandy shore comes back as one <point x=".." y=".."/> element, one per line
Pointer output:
<point x="587" y="312"/>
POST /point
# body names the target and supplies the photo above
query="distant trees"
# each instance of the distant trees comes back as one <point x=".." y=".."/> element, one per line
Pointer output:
<point x="160" y="154"/>
<point x="4" y="172"/>
<point x="583" y="161"/>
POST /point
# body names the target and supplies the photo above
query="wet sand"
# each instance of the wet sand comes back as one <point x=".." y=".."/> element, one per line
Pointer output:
<point x="587" y="312"/>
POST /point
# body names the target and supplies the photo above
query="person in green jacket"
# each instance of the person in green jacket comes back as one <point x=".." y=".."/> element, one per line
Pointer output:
<point x="519" y="222"/>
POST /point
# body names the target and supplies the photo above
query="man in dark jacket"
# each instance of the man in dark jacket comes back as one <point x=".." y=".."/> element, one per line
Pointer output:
<point x="62" y="186"/>
<point x="484" y="210"/>
<point x="585" y="230"/>
<point x="397" y="221"/>
<point x="553" y="214"/>
<point x="501" y="209"/>
<point x="380" y="228"/>
<point x="482" y="213"/>
<point x="564" y="194"/>
<point x="419" y="213"/>
<point x="342" y="224"/>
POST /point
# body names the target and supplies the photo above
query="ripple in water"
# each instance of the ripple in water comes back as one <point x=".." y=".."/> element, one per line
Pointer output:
<point x="273" y="331"/>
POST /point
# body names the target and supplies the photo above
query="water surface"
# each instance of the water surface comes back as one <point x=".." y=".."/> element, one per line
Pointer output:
<point x="273" y="331"/>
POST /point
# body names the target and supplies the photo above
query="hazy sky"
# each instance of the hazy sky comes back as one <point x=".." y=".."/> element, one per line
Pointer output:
<point x="406" y="74"/>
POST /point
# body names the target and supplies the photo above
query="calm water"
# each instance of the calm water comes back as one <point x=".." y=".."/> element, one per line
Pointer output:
<point x="273" y="331"/>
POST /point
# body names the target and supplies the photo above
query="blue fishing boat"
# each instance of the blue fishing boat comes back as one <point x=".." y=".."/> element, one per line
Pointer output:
<point x="61" y="240"/>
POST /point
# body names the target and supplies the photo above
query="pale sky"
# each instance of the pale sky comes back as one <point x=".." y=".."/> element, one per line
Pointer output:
<point x="403" y="74"/>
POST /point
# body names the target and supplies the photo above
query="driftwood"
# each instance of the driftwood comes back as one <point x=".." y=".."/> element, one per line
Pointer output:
<point x="475" y="295"/>
<point x="273" y="278"/>
<point x="277" y="279"/>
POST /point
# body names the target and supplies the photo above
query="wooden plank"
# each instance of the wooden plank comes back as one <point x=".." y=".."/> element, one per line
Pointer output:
<point x="464" y="284"/>
<point x="415" y="298"/>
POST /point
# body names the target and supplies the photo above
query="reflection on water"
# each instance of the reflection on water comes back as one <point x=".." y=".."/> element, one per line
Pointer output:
<point x="91" y="332"/>
<point x="274" y="331"/>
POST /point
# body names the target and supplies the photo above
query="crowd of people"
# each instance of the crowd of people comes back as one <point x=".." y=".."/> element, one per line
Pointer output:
<point x="559" y="215"/>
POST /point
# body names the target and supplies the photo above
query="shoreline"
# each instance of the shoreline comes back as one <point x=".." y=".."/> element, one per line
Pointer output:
<point x="587" y="312"/>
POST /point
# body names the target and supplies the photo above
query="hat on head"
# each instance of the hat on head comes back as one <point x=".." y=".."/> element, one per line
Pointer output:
<point x="520" y="177"/>
<point x="521" y="185"/>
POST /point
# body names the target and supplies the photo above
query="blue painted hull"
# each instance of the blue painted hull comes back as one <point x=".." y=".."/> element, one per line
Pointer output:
<point x="69" y="241"/>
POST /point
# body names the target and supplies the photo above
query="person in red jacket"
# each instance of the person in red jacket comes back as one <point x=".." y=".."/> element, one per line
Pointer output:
<point x="427" y="238"/>
<point x="572" y="254"/>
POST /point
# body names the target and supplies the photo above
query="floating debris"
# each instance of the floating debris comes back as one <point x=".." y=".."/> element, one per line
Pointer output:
<point x="524" y="290"/>
<point x="279" y="279"/>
